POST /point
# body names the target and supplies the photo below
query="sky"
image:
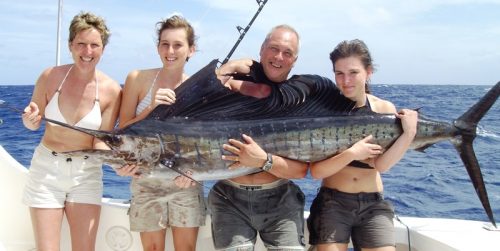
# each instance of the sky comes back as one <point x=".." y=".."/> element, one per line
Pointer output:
<point x="449" y="42"/>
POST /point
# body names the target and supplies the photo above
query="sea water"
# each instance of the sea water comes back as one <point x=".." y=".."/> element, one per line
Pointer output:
<point x="430" y="184"/>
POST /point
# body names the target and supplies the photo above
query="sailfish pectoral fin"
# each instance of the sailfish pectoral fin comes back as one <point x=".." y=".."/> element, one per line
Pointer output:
<point x="466" y="151"/>
<point x="422" y="148"/>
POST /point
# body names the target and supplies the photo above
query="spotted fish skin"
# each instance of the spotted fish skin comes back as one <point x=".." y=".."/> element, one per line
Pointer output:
<point x="196" y="145"/>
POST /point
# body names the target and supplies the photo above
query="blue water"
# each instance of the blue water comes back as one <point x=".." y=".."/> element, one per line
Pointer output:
<point x="431" y="184"/>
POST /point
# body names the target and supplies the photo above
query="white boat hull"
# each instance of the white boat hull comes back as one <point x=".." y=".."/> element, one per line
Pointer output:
<point x="426" y="234"/>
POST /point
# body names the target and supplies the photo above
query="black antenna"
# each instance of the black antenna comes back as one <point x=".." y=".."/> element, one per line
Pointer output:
<point x="261" y="4"/>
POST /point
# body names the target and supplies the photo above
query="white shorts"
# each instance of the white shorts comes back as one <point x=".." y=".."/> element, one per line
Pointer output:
<point x="55" y="178"/>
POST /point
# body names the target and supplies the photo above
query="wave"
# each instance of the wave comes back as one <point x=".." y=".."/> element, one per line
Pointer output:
<point x="487" y="133"/>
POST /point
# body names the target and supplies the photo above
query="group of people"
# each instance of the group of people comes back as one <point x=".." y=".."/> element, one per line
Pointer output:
<point x="349" y="204"/>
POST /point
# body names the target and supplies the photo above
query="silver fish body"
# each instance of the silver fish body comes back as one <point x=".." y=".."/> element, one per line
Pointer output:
<point x="165" y="148"/>
<point x="197" y="145"/>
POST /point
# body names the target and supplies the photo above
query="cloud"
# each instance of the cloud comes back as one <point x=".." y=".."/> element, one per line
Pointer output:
<point x="412" y="41"/>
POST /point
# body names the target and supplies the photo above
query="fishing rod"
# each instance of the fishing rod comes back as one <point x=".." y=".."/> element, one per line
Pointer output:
<point x="261" y="4"/>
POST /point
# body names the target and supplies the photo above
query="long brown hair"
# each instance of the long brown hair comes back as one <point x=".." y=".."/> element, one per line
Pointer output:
<point x="355" y="47"/>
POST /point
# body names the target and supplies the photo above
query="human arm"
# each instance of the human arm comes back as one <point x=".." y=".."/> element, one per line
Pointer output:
<point x="32" y="113"/>
<point x="225" y="71"/>
<point x="361" y="150"/>
<point x="130" y="100"/>
<point x="126" y="114"/>
<point x="134" y="84"/>
<point x="250" y="154"/>
<point x="111" y="98"/>
<point x="395" y="153"/>
<point x="243" y="67"/>
<point x="374" y="155"/>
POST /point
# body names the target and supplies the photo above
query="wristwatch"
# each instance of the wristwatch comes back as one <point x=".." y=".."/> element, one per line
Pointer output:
<point x="268" y="165"/>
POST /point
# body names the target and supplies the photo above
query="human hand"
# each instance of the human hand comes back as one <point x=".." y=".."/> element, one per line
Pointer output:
<point x="31" y="117"/>
<point x="241" y="66"/>
<point x="227" y="70"/>
<point x="183" y="181"/>
<point x="247" y="153"/>
<point x="128" y="170"/>
<point x="164" y="96"/>
<point x="363" y="149"/>
<point x="409" y="119"/>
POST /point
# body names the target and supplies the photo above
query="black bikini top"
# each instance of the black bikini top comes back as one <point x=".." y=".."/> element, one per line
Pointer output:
<point x="366" y="108"/>
<point x="359" y="164"/>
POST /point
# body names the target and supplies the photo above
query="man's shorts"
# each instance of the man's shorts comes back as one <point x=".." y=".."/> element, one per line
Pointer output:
<point x="274" y="210"/>
<point x="55" y="178"/>
<point x="157" y="204"/>
<point x="335" y="216"/>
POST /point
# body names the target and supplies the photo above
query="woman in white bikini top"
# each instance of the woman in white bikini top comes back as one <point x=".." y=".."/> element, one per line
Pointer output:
<point x="92" y="120"/>
<point x="59" y="185"/>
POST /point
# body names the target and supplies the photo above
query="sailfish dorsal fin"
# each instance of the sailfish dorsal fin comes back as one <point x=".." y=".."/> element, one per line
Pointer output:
<point x="204" y="97"/>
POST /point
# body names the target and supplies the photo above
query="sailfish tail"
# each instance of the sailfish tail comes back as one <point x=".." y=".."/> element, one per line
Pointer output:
<point x="467" y="125"/>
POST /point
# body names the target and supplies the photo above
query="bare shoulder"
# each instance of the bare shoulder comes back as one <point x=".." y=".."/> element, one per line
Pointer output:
<point x="381" y="105"/>
<point x="143" y="74"/>
<point x="109" y="89"/>
<point x="140" y="79"/>
<point x="50" y="79"/>
<point x="107" y="82"/>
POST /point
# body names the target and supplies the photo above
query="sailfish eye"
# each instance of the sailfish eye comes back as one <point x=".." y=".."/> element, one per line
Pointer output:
<point x="112" y="140"/>
<point x="115" y="139"/>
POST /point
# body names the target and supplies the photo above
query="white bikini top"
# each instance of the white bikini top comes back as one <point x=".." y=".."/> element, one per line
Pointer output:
<point x="91" y="120"/>
<point x="147" y="99"/>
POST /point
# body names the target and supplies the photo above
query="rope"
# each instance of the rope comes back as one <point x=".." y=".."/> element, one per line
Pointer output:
<point x="407" y="231"/>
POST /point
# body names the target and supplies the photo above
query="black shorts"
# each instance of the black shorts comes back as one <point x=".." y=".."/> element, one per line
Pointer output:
<point x="365" y="217"/>
<point x="275" y="211"/>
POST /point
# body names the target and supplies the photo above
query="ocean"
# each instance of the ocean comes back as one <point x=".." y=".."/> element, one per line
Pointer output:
<point x="430" y="184"/>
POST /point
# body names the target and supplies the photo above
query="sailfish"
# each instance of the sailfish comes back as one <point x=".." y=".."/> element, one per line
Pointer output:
<point x="188" y="135"/>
